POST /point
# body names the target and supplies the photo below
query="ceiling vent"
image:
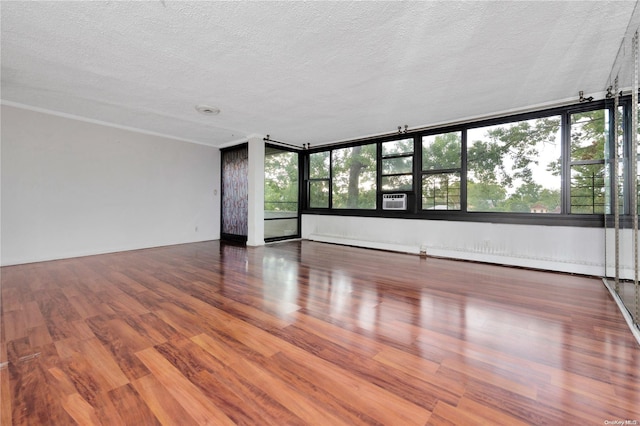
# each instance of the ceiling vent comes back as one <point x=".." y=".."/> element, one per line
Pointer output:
<point x="207" y="110"/>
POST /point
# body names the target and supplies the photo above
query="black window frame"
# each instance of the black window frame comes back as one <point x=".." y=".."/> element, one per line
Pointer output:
<point x="309" y="180"/>
<point x="301" y="196"/>
<point x="570" y="162"/>
<point x="382" y="157"/>
<point x="377" y="180"/>
<point x="461" y="170"/>
<point x="414" y="210"/>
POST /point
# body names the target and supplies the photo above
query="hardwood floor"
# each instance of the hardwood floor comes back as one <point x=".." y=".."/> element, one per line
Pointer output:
<point x="309" y="333"/>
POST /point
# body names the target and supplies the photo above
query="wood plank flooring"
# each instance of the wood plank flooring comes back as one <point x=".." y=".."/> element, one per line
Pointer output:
<point x="308" y="333"/>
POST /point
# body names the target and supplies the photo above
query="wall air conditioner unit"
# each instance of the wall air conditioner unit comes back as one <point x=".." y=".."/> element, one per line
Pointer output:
<point x="394" y="201"/>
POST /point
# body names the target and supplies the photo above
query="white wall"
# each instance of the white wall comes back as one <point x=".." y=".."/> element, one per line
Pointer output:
<point x="626" y="249"/>
<point x="555" y="248"/>
<point x="73" y="188"/>
<point x="255" y="233"/>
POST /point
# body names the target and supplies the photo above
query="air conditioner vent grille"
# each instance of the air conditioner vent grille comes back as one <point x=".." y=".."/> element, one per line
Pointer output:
<point x="394" y="201"/>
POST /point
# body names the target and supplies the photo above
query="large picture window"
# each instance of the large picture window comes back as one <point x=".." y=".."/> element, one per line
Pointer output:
<point x="515" y="167"/>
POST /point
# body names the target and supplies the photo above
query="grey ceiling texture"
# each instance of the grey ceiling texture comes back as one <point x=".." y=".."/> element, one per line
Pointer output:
<point x="303" y="72"/>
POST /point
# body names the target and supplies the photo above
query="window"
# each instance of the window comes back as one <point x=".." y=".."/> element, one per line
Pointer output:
<point x="550" y="167"/>
<point x="638" y="186"/>
<point x="637" y="162"/>
<point x="353" y="177"/>
<point x="280" y="193"/>
<point x="319" y="180"/>
<point x="609" y="152"/>
<point x="441" y="167"/>
<point x="397" y="165"/>
<point x="587" y="165"/>
<point x="515" y="167"/>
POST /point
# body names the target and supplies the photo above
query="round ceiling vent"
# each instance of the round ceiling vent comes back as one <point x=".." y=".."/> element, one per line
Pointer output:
<point x="207" y="110"/>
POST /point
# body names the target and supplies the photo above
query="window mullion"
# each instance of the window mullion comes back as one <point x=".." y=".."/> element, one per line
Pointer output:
<point x="330" y="179"/>
<point x="417" y="173"/>
<point x="463" y="171"/>
<point x="565" y="168"/>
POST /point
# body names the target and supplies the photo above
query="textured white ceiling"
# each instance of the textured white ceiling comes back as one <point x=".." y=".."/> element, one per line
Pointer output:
<point x="303" y="72"/>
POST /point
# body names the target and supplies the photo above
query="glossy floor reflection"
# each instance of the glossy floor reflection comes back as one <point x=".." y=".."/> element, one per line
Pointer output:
<point x="309" y="333"/>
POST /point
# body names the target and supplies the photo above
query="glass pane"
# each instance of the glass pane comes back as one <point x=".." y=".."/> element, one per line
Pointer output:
<point x="620" y="132"/>
<point x="404" y="146"/>
<point x="280" y="182"/>
<point x="588" y="189"/>
<point x="319" y="194"/>
<point x="441" y="191"/>
<point x="515" y="167"/>
<point x="397" y="183"/>
<point x="281" y="228"/>
<point x="638" y="186"/>
<point x="588" y="135"/>
<point x="396" y="165"/>
<point x="443" y="151"/>
<point x="319" y="165"/>
<point x="619" y="120"/>
<point x="354" y="177"/>
<point x="608" y="185"/>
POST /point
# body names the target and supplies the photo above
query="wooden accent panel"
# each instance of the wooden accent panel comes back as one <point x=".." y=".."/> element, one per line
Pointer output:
<point x="308" y="333"/>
